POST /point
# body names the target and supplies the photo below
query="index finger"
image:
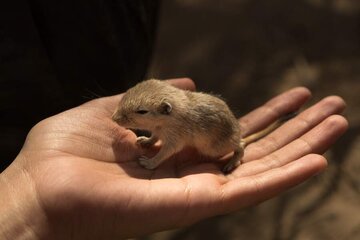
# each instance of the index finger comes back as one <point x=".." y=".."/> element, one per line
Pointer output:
<point x="110" y="103"/>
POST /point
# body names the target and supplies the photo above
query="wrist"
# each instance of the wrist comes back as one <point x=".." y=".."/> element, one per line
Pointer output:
<point x="20" y="213"/>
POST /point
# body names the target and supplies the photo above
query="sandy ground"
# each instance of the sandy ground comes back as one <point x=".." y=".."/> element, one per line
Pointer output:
<point x="248" y="51"/>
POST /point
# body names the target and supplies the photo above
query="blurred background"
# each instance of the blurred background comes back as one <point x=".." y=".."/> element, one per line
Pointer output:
<point x="249" y="51"/>
<point x="55" y="55"/>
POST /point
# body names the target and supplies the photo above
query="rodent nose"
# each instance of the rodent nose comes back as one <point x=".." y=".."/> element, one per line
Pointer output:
<point x="116" y="117"/>
<point x="120" y="118"/>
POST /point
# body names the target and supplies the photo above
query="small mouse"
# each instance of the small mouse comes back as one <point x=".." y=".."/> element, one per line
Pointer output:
<point x="181" y="118"/>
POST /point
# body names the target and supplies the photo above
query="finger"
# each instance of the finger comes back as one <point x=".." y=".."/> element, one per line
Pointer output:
<point x="317" y="140"/>
<point x="183" y="83"/>
<point x="107" y="104"/>
<point x="244" y="192"/>
<point x="295" y="128"/>
<point x="281" y="105"/>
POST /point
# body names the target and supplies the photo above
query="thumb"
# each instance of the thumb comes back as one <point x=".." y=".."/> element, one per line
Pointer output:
<point x="183" y="83"/>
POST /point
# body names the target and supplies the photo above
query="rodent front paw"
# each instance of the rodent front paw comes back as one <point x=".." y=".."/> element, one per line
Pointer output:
<point x="144" y="141"/>
<point x="147" y="163"/>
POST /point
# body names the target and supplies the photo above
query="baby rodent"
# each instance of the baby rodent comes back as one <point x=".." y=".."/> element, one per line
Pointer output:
<point x="182" y="118"/>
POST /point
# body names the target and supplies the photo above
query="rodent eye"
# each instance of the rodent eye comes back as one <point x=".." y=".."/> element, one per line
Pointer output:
<point x="142" y="111"/>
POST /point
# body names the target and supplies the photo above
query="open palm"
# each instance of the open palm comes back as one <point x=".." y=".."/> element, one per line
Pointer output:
<point x="89" y="185"/>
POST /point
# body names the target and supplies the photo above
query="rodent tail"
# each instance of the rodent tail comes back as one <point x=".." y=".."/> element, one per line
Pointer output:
<point x="262" y="133"/>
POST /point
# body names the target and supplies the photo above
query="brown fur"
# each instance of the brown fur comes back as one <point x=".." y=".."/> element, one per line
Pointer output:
<point x="180" y="118"/>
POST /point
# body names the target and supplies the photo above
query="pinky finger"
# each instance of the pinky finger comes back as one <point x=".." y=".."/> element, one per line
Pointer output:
<point x="243" y="192"/>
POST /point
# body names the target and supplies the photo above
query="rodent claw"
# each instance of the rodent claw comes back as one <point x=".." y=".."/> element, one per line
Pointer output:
<point x="229" y="167"/>
<point x="144" y="141"/>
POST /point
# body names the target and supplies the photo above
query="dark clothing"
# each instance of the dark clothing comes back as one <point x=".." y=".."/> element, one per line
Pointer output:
<point x="57" y="54"/>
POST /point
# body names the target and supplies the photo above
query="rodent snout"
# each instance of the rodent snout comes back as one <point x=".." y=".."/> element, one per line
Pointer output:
<point x="119" y="118"/>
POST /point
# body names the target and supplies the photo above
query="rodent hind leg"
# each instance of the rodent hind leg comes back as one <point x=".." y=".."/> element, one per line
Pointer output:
<point x="146" y="141"/>
<point x="165" y="152"/>
<point x="235" y="160"/>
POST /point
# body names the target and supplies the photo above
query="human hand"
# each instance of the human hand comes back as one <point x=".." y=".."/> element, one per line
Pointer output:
<point x="77" y="176"/>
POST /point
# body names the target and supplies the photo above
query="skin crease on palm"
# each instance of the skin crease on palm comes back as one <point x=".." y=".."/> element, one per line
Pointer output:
<point x="77" y="177"/>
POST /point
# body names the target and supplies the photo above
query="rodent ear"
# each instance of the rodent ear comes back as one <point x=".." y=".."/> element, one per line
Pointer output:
<point x="165" y="108"/>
